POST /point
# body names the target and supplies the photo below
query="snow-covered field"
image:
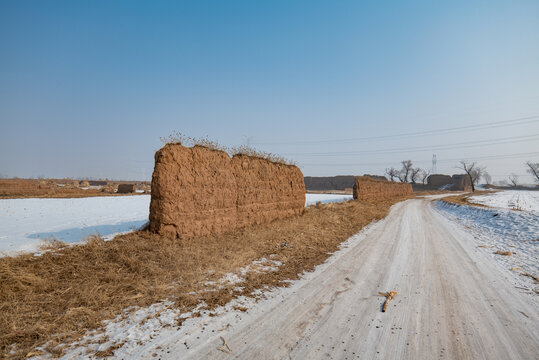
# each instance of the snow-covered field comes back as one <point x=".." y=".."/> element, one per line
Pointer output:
<point x="25" y="223"/>
<point x="311" y="199"/>
<point x="526" y="200"/>
<point x="501" y="230"/>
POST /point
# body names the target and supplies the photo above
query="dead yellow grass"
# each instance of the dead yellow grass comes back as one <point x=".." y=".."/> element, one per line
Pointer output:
<point x="505" y="253"/>
<point x="463" y="198"/>
<point x="55" y="298"/>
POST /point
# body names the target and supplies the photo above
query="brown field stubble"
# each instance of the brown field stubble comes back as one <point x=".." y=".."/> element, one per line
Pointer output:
<point x="463" y="198"/>
<point x="32" y="188"/>
<point x="55" y="298"/>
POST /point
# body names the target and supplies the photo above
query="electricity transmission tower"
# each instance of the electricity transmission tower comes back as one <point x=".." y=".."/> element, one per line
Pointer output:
<point x="434" y="170"/>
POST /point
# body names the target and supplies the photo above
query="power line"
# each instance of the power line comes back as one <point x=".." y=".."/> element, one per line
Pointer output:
<point x="493" y="157"/>
<point x="482" y="126"/>
<point x="466" y="144"/>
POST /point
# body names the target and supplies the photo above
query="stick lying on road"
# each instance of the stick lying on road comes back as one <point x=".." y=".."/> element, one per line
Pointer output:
<point x="389" y="296"/>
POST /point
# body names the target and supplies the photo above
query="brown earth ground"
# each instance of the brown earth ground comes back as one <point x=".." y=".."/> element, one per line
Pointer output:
<point x="48" y="188"/>
<point x="462" y="199"/>
<point x="56" y="298"/>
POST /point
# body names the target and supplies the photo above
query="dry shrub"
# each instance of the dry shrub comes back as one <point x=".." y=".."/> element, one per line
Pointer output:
<point x="505" y="253"/>
<point x="55" y="298"/>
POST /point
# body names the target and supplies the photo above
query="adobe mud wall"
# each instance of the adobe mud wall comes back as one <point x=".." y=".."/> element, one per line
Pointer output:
<point x="366" y="188"/>
<point x="437" y="181"/>
<point x="126" y="189"/>
<point x="198" y="191"/>
<point x="461" y="183"/>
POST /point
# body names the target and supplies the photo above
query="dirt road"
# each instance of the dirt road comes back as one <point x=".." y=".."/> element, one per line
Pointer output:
<point x="452" y="302"/>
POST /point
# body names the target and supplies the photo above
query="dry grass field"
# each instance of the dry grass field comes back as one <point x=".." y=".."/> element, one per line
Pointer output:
<point x="55" y="298"/>
<point x="54" y="188"/>
<point x="462" y="199"/>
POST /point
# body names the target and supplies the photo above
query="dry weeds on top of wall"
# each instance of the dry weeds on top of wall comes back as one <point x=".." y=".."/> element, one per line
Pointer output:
<point x="188" y="141"/>
<point x="55" y="298"/>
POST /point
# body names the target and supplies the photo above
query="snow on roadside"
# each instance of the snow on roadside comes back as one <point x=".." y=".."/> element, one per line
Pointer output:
<point x="525" y="200"/>
<point x="501" y="230"/>
<point x="151" y="330"/>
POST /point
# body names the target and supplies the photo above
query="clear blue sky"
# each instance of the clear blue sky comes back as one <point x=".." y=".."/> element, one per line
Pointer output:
<point x="87" y="88"/>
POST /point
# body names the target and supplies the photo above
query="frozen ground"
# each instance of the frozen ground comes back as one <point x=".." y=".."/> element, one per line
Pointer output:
<point x="25" y="223"/>
<point x="525" y="200"/>
<point x="501" y="230"/>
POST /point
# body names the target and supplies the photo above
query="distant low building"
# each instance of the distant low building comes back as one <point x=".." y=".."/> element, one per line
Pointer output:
<point x="339" y="182"/>
<point x="459" y="182"/>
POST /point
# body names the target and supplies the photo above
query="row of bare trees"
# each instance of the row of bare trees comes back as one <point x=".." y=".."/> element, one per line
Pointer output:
<point x="408" y="173"/>
<point x="414" y="175"/>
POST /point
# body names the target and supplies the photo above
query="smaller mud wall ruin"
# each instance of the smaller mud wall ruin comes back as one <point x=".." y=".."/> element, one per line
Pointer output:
<point x="366" y="188"/>
<point x="199" y="191"/>
<point x="460" y="182"/>
<point x="126" y="189"/>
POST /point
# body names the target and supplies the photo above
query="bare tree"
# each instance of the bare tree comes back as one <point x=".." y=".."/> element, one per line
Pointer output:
<point x="473" y="170"/>
<point x="513" y="179"/>
<point x="414" y="174"/>
<point x="407" y="167"/>
<point x="533" y="168"/>
<point x="487" y="178"/>
<point x="423" y="176"/>
<point x="392" y="173"/>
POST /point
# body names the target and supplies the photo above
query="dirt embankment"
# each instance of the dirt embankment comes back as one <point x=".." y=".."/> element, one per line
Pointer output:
<point x="366" y="188"/>
<point x="200" y="191"/>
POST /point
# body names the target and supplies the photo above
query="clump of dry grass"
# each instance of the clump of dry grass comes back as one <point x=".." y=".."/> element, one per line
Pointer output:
<point x="388" y="295"/>
<point x="56" y="297"/>
<point x="505" y="253"/>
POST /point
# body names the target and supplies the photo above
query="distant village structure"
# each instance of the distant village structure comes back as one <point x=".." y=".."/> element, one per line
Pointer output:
<point x="445" y="182"/>
<point x="459" y="182"/>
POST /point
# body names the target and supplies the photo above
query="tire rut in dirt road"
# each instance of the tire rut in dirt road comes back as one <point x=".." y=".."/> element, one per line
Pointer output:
<point x="451" y="302"/>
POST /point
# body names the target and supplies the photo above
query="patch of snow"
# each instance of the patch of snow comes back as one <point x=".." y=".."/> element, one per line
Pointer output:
<point x="260" y="266"/>
<point x="25" y="223"/>
<point x="143" y="334"/>
<point x="501" y="230"/>
<point x="312" y="199"/>
<point x="525" y="200"/>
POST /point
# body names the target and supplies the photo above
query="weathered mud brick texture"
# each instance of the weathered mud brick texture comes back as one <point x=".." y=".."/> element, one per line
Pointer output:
<point x="366" y="188"/>
<point x="199" y="191"/>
